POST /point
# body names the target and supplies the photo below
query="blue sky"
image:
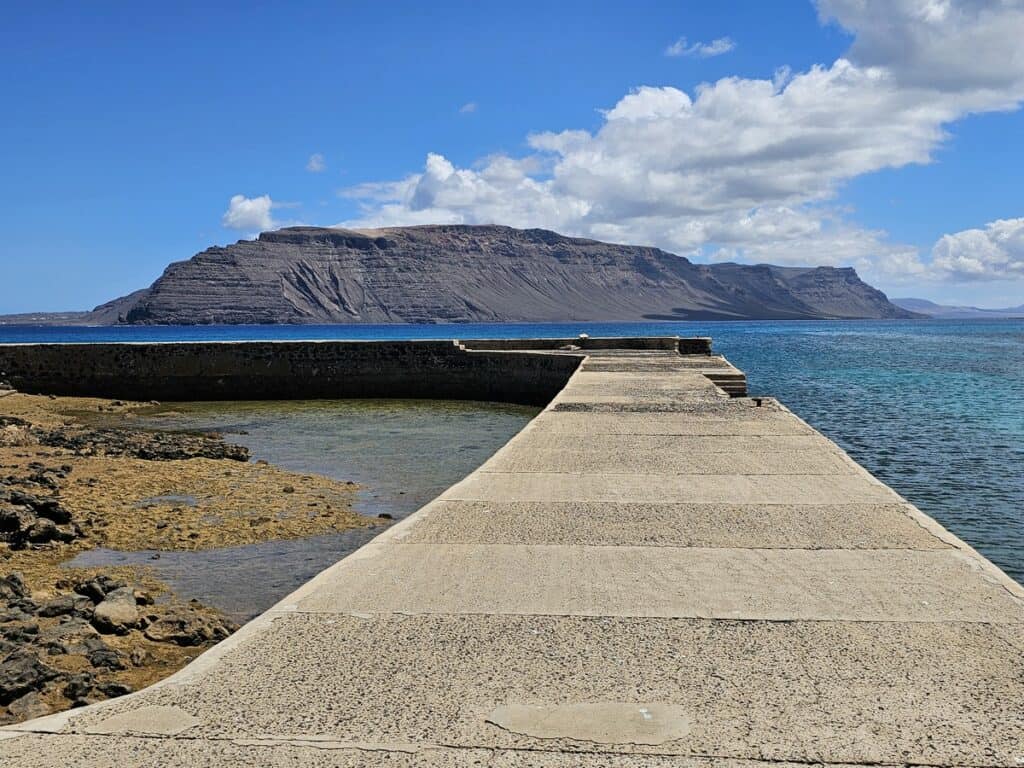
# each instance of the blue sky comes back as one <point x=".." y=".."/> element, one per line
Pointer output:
<point x="129" y="130"/>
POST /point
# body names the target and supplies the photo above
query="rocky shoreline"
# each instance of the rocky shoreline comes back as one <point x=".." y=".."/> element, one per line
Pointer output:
<point x="75" y="473"/>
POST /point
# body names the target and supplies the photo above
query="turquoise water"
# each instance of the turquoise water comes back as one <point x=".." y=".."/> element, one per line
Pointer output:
<point x="934" y="408"/>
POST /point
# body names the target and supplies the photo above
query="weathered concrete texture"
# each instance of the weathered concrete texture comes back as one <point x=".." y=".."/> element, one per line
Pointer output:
<point x="759" y="526"/>
<point x="692" y="386"/>
<point x="778" y="585"/>
<point x="93" y="752"/>
<point x="661" y="576"/>
<point x="622" y="445"/>
<point x="667" y="461"/>
<point x="702" y="489"/>
<point x="816" y="691"/>
<point x="725" y="423"/>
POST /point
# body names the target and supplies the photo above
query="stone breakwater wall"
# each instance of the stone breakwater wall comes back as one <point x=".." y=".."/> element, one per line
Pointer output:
<point x="292" y="370"/>
<point x="700" y="345"/>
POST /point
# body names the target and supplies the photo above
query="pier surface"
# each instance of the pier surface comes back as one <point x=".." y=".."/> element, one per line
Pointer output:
<point x="650" y="574"/>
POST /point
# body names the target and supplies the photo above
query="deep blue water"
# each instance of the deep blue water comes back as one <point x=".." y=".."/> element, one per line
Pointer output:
<point x="934" y="408"/>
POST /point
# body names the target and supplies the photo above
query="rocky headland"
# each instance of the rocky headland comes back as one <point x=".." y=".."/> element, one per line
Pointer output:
<point x="76" y="474"/>
<point x="460" y="274"/>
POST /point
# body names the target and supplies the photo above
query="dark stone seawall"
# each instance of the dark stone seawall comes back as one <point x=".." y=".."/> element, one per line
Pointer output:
<point x="284" y="370"/>
<point x="493" y="370"/>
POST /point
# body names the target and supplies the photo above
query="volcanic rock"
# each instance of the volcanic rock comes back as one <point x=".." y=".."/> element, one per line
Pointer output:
<point x="117" y="613"/>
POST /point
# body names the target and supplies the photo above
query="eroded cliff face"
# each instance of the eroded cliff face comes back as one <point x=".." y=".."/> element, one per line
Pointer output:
<point x="448" y="274"/>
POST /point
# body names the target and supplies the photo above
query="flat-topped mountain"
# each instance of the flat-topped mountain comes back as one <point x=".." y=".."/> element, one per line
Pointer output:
<point x="450" y="274"/>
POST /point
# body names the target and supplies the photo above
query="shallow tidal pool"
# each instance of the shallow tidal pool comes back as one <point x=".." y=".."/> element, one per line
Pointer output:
<point x="402" y="453"/>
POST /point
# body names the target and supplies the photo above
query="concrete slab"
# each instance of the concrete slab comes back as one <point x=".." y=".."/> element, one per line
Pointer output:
<point x="750" y="584"/>
<point x="678" y="385"/>
<point x="693" y="489"/>
<point x="530" y="440"/>
<point x="93" y="752"/>
<point x="147" y="721"/>
<point x="718" y="406"/>
<point x="766" y="526"/>
<point x="937" y="694"/>
<point x="580" y="423"/>
<point x="631" y="366"/>
<point x="669" y="460"/>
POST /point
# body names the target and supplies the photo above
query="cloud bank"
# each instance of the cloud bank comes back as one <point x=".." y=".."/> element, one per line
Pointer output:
<point x="746" y="168"/>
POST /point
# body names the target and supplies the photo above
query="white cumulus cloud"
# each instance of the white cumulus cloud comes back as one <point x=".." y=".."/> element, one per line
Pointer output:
<point x="317" y="163"/>
<point x="749" y="168"/>
<point x="249" y="213"/>
<point x="995" y="252"/>
<point x="468" y="108"/>
<point x="958" y="46"/>
<point x="700" y="50"/>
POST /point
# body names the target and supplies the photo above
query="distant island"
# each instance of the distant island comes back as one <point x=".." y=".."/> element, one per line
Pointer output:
<point x="461" y="274"/>
<point x="952" y="312"/>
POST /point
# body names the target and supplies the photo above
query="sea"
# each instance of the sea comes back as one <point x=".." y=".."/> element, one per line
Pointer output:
<point x="935" y="408"/>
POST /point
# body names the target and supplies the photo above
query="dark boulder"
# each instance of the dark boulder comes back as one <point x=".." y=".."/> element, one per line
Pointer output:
<point x="28" y="706"/>
<point x="112" y="689"/>
<point x="52" y="510"/>
<point x="13" y="586"/>
<point x="185" y="627"/>
<point x="44" y="530"/>
<point x="107" y="658"/>
<point x="22" y="672"/>
<point x="72" y="636"/>
<point x="98" y="588"/>
<point x="65" y="605"/>
<point x="78" y="686"/>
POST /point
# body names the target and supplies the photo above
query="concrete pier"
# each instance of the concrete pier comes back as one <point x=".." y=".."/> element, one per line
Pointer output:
<point x="651" y="573"/>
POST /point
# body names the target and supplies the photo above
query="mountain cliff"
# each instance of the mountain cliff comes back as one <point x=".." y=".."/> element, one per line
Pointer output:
<point x="434" y="274"/>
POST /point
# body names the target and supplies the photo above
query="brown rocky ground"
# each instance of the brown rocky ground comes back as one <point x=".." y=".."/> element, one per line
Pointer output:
<point x="75" y="474"/>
